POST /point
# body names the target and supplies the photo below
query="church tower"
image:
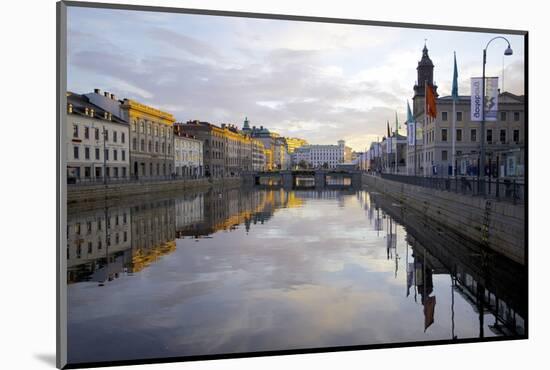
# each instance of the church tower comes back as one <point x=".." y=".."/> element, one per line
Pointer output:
<point x="425" y="73"/>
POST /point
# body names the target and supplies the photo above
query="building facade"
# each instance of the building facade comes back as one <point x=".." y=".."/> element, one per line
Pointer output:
<point x="321" y="156"/>
<point x="97" y="142"/>
<point x="504" y="138"/>
<point x="188" y="154"/>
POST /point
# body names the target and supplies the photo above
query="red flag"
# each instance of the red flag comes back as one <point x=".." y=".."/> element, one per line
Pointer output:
<point x="431" y="110"/>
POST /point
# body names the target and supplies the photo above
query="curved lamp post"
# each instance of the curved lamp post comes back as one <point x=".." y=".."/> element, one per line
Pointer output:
<point x="507" y="52"/>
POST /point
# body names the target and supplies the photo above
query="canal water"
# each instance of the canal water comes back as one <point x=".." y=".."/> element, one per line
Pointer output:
<point x="243" y="270"/>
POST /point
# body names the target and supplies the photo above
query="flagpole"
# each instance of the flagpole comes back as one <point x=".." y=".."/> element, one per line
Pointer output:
<point x="396" y="134"/>
<point x="453" y="138"/>
<point x="424" y="137"/>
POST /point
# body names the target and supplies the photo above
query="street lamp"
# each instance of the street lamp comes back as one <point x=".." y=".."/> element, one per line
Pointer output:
<point x="507" y="52"/>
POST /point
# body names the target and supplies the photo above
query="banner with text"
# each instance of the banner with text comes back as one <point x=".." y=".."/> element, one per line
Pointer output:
<point x="411" y="128"/>
<point x="491" y="98"/>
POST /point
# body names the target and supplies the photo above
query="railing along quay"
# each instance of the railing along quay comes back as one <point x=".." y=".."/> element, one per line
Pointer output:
<point x="495" y="188"/>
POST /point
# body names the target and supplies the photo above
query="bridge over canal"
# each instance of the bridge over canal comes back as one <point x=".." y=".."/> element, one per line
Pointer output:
<point x="318" y="178"/>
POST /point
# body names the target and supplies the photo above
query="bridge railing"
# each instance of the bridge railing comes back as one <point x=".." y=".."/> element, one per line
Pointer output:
<point x="495" y="188"/>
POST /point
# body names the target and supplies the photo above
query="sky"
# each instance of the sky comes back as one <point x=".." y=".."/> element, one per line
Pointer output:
<point x="317" y="81"/>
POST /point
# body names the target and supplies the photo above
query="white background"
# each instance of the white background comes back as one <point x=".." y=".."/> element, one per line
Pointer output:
<point x="27" y="134"/>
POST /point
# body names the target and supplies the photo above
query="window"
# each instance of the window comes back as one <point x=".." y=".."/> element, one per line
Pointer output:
<point x="503" y="116"/>
<point x="99" y="245"/>
<point x="516" y="136"/>
<point x="516" y="116"/>
<point x="142" y="145"/>
<point x="122" y="137"/>
<point x="473" y="135"/>
<point x="115" y="155"/>
<point x="106" y="154"/>
<point x="124" y="219"/>
<point x="86" y="132"/>
<point x="89" y="247"/>
<point x="125" y="236"/>
<point x="150" y="146"/>
<point x="96" y="134"/>
<point x="116" y="175"/>
<point x="75" y="152"/>
<point x="114" y="136"/>
<point x="87" y="153"/>
<point x="162" y="147"/>
<point x="75" y="130"/>
<point x="489" y="136"/>
<point x="444" y="155"/>
<point x="134" y="143"/>
<point x="443" y="134"/>
<point x="157" y="147"/>
<point x="123" y="154"/>
<point x="141" y="127"/>
<point x="134" y="126"/>
<point x="149" y="128"/>
<point x="77" y="228"/>
<point x="87" y="172"/>
<point x="99" y="225"/>
<point x="503" y="136"/>
<point x="168" y="148"/>
<point x="459" y="116"/>
<point x="97" y="153"/>
<point x="89" y="227"/>
<point x="459" y="134"/>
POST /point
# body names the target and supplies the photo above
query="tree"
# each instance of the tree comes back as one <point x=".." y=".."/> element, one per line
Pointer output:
<point x="325" y="165"/>
<point x="302" y="164"/>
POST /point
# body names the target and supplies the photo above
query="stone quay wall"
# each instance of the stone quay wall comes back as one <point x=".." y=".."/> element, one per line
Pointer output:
<point x="500" y="226"/>
<point x="98" y="192"/>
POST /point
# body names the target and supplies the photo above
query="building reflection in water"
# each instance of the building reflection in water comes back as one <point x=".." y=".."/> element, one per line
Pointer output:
<point x="492" y="285"/>
<point x="118" y="240"/>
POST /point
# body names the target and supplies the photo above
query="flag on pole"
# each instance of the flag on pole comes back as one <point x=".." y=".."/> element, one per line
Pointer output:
<point x="455" y="82"/>
<point x="431" y="109"/>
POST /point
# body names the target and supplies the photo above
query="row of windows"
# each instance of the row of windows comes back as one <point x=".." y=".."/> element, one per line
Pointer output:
<point x="118" y="220"/>
<point x="76" y="153"/>
<point x="503" y="115"/>
<point x="115" y="134"/>
<point x="112" y="172"/>
<point x="154" y="129"/>
<point x="99" y="245"/>
<point x="150" y="146"/>
<point x="473" y="135"/>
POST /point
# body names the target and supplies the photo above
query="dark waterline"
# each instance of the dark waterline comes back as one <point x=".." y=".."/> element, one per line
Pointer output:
<point x="242" y="270"/>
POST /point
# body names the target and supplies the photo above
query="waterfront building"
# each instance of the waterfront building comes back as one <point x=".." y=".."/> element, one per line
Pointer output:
<point x="212" y="137"/>
<point x="279" y="158"/>
<point x="258" y="155"/>
<point x="293" y="143"/>
<point x="188" y="154"/>
<point x="394" y="148"/>
<point x="237" y="150"/>
<point x="151" y="139"/>
<point x="97" y="142"/>
<point x="505" y="137"/>
<point x="317" y="156"/>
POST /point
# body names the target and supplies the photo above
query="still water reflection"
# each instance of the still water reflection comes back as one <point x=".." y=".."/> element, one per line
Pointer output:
<point x="244" y="270"/>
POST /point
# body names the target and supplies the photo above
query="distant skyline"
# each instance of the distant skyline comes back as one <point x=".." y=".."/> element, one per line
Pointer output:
<point x="317" y="81"/>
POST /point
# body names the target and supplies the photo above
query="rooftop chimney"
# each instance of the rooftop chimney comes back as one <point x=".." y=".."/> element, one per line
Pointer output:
<point x="97" y="91"/>
<point x="113" y="96"/>
<point x="106" y="94"/>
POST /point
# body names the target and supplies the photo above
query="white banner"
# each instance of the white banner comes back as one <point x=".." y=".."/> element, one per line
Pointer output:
<point x="411" y="133"/>
<point x="491" y="98"/>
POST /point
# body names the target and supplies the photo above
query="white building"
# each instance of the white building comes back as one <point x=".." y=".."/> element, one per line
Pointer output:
<point x="188" y="155"/>
<point x="317" y="156"/>
<point x="96" y="139"/>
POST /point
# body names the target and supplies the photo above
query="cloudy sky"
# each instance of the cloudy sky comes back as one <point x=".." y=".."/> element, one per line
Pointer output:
<point x="321" y="82"/>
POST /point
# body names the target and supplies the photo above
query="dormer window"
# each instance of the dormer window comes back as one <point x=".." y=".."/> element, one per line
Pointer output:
<point x="70" y="108"/>
<point x="110" y="116"/>
<point x="105" y="115"/>
<point x="91" y="112"/>
<point x="86" y="111"/>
